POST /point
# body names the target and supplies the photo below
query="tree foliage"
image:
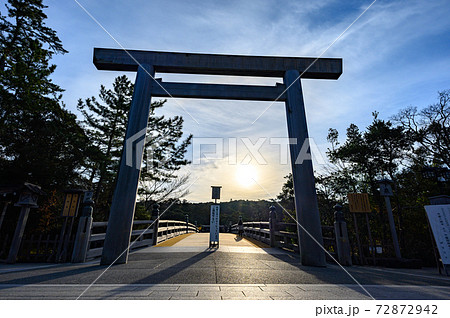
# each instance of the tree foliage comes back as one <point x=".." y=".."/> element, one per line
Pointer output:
<point x="40" y="141"/>
<point x="105" y="121"/>
<point x="399" y="149"/>
<point x="430" y="128"/>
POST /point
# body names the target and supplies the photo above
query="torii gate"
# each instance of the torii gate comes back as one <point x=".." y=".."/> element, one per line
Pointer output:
<point x="120" y="222"/>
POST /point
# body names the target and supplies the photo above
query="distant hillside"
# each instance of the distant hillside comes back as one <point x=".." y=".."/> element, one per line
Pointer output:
<point x="229" y="211"/>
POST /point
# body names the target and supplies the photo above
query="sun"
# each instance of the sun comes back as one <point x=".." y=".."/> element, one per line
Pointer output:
<point x="246" y="175"/>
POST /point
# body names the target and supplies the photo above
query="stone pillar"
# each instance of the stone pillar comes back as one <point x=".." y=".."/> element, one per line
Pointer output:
<point x="83" y="236"/>
<point x="2" y="216"/>
<point x="18" y="234"/>
<point x="120" y="221"/>
<point x="398" y="254"/>
<point x="302" y="171"/>
<point x="155" y="217"/>
<point x="273" y="225"/>
<point x="341" y="234"/>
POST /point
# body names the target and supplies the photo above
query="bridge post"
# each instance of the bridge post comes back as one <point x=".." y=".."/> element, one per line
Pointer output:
<point x="272" y="225"/>
<point x="83" y="235"/>
<point x="306" y="206"/>
<point x="341" y="234"/>
<point x="120" y="221"/>
<point x="155" y="217"/>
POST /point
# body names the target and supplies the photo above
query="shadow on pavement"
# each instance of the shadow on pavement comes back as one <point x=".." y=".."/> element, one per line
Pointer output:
<point x="41" y="278"/>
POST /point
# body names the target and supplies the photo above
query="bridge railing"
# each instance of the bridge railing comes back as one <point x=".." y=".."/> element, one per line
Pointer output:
<point x="256" y="230"/>
<point x="166" y="229"/>
<point x="285" y="235"/>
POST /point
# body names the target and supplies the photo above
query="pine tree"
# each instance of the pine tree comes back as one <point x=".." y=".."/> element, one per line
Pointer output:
<point x="27" y="45"/>
<point x="40" y="141"/>
<point x="105" y="121"/>
<point x="163" y="157"/>
<point x="105" y="125"/>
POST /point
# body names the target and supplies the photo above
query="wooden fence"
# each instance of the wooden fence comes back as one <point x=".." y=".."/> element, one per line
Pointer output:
<point x="34" y="247"/>
<point x="44" y="248"/>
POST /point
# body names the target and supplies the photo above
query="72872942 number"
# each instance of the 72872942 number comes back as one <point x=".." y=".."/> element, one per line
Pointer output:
<point x="406" y="309"/>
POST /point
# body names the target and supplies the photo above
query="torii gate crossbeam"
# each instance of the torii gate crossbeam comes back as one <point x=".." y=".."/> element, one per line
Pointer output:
<point x="120" y="221"/>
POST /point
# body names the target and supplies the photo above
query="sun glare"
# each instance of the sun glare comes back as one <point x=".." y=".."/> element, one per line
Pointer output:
<point x="246" y="175"/>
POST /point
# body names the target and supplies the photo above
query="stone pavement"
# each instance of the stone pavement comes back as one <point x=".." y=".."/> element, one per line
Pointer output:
<point x="225" y="239"/>
<point x="221" y="292"/>
<point x="236" y="270"/>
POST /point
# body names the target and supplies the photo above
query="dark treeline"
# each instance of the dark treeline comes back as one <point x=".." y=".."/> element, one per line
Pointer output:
<point x="229" y="211"/>
<point x="412" y="149"/>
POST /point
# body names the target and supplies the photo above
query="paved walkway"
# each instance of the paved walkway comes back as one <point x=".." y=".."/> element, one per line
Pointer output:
<point x="225" y="239"/>
<point x="236" y="270"/>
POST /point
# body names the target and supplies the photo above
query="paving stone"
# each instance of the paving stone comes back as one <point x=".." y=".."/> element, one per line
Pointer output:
<point x="198" y="288"/>
<point x="256" y="294"/>
<point x="209" y="295"/>
<point x="282" y="298"/>
<point x="132" y="298"/>
<point x="240" y="288"/>
<point x="98" y="297"/>
<point x="179" y="297"/>
<point x="162" y="288"/>
<point x="258" y="298"/>
<point x="227" y="294"/>
<point x="160" y="295"/>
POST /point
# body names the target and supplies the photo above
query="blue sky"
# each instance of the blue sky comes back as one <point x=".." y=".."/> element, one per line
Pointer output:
<point x="396" y="55"/>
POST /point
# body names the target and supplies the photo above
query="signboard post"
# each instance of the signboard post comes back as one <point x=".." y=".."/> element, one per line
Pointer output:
<point x="70" y="211"/>
<point x="439" y="218"/>
<point x="83" y="234"/>
<point x="386" y="192"/>
<point x="214" y="218"/>
<point x="359" y="203"/>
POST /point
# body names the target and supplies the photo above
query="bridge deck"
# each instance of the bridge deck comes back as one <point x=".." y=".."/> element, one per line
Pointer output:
<point x="202" y="240"/>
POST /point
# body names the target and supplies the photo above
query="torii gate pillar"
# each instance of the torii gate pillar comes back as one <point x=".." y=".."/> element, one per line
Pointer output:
<point x="120" y="223"/>
<point x="309" y="228"/>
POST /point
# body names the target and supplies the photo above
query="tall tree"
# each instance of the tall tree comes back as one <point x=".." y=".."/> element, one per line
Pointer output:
<point x="163" y="158"/>
<point x="105" y="122"/>
<point x="27" y="45"/>
<point x="430" y="128"/>
<point x="40" y="141"/>
<point x="380" y="150"/>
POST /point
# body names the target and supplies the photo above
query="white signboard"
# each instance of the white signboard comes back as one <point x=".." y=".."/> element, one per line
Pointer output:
<point x="214" y="225"/>
<point x="439" y="217"/>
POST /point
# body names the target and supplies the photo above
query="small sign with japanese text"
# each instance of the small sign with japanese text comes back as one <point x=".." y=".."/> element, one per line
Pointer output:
<point x="439" y="217"/>
<point x="359" y="202"/>
<point x="71" y="204"/>
<point x="214" y="225"/>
